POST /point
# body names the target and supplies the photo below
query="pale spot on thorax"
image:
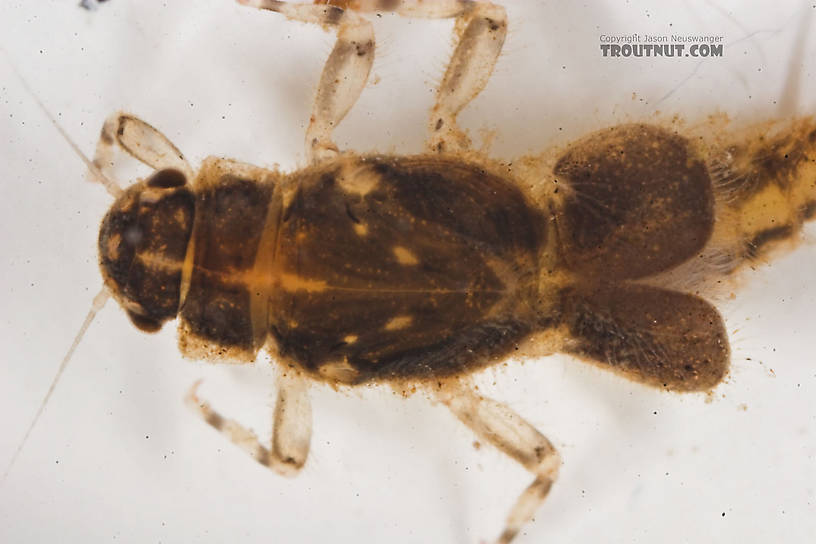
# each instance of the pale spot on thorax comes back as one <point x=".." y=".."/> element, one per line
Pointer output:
<point x="399" y="322"/>
<point x="404" y="256"/>
<point x="359" y="180"/>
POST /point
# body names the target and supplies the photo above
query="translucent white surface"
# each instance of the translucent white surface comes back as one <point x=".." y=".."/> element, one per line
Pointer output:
<point x="117" y="457"/>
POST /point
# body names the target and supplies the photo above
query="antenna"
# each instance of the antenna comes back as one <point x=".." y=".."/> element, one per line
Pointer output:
<point x="112" y="187"/>
<point x="98" y="302"/>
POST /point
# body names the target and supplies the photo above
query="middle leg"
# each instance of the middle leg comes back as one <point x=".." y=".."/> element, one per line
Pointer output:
<point x="506" y="430"/>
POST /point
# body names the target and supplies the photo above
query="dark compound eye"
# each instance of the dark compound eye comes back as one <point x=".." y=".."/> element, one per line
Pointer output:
<point x="143" y="323"/>
<point x="167" y="179"/>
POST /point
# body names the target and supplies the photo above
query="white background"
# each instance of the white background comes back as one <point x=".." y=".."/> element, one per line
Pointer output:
<point x="117" y="457"/>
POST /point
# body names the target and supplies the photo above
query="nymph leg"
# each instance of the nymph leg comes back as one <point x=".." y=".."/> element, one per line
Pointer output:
<point x="344" y="74"/>
<point x="291" y="433"/>
<point x="497" y="424"/>
<point x="141" y="141"/>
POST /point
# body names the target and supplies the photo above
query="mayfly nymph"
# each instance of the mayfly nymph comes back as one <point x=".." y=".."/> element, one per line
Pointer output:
<point x="415" y="271"/>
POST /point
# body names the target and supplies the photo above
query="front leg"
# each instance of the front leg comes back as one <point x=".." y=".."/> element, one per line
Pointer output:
<point x="505" y="429"/>
<point x="291" y="434"/>
<point x="344" y="75"/>
<point x="140" y="140"/>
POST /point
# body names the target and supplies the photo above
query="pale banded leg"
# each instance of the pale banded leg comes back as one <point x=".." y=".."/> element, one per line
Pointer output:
<point x="479" y="32"/>
<point x="423" y="9"/>
<point x="141" y="141"/>
<point x="499" y="425"/>
<point x="291" y="433"/>
<point x="344" y="75"/>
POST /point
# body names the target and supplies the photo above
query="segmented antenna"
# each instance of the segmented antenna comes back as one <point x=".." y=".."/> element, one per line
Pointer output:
<point x="97" y="304"/>
<point x="99" y="300"/>
<point x="112" y="187"/>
